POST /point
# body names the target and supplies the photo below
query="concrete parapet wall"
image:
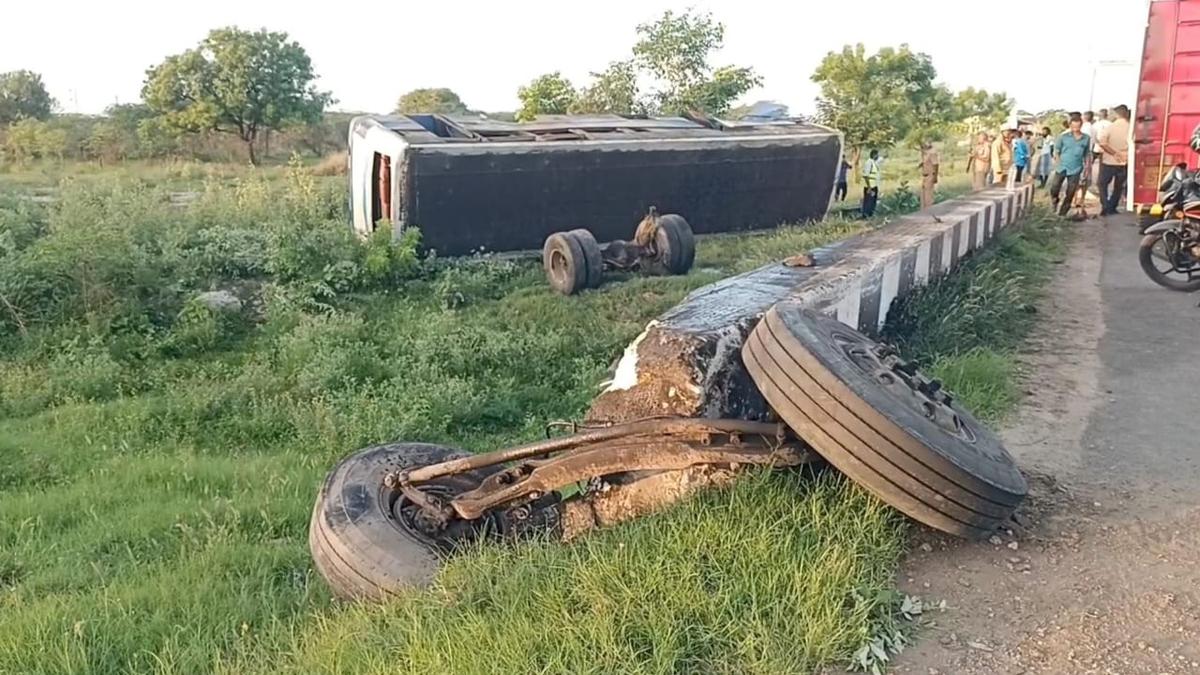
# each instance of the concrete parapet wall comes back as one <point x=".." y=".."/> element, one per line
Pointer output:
<point x="688" y="361"/>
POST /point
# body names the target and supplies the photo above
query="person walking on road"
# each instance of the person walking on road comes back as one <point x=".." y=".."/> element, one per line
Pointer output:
<point x="1002" y="157"/>
<point x="1113" y="141"/>
<point x="929" y="174"/>
<point x="1071" y="150"/>
<point x="1045" y="157"/>
<point x="872" y="177"/>
<point x="980" y="162"/>
<point x="839" y="193"/>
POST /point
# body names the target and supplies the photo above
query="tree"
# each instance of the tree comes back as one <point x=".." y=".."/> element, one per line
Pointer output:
<point x="988" y="107"/>
<point x="715" y="95"/>
<point x="550" y="94"/>
<point x="613" y="91"/>
<point x="674" y="51"/>
<point x="934" y="113"/>
<point x="236" y="82"/>
<point x="106" y="142"/>
<point x="52" y="141"/>
<point x="875" y="101"/>
<point x="23" y="96"/>
<point x="439" y="100"/>
<point x="156" y="138"/>
<point x="23" y="140"/>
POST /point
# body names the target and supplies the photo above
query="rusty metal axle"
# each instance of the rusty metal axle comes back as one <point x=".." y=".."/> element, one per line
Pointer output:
<point x="652" y="445"/>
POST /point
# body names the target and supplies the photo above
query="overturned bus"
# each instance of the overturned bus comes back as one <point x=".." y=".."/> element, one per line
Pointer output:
<point x="479" y="185"/>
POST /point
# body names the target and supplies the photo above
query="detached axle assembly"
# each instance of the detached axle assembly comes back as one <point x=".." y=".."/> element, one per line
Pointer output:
<point x="661" y="245"/>
<point x="386" y="512"/>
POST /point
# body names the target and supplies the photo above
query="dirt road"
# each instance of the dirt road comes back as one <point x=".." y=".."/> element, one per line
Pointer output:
<point x="1106" y="577"/>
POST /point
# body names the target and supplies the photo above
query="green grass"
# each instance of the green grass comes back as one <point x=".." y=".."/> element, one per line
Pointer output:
<point x="42" y="177"/>
<point x="966" y="326"/>
<point x="158" y="465"/>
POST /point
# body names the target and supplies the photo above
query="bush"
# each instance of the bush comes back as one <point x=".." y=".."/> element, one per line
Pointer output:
<point x="901" y="200"/>
<point x="110" y="256"/>
<point x="198" y="328"/>
<point x="464" y="284"/>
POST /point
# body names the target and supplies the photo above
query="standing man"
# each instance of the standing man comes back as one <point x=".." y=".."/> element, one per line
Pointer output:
<point x="980" y="162"/>
<point x="1071" y="149"/>
<point x="1002" y="157"/>
<point x="1089" y="120"/>
<point x="1113" y="142"/>
<point x="1045" y="157"/>
<point x="839" y="193"/>
<point x="872" y="176"/>
<point x="1020" y="155"/>
<point x="1099" y="126"/>
<point x="929" y="174"/>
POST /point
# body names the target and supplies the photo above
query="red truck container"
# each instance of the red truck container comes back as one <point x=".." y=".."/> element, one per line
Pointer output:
<point x="1168" y="101"/>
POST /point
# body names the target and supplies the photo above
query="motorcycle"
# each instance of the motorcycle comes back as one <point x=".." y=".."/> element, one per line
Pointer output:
<point x="1170" y="250"/>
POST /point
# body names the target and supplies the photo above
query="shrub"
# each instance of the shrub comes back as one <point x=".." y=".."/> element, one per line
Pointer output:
<point x="113" y="255"/>
<point x="198" y="328"/>
<point x="463" y="284"/>
<point x="901" y="200"/>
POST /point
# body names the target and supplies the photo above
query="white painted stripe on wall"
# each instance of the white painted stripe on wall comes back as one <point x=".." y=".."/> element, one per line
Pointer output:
<point x="964" y="237"/>
<point x="848" y="306"/>
<point x="947" y="251"/>
<point x="981" y="231"/>
<point x="889" y="288"/>
<point x="921" y="273"/>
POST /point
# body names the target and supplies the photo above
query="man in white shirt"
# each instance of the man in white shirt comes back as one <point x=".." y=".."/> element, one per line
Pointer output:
<point x="1099" y="127"/>
<point x="1089" y="120"/>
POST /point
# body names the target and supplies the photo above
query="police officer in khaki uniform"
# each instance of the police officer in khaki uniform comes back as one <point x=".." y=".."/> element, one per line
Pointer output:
<point x="929" y="173"/>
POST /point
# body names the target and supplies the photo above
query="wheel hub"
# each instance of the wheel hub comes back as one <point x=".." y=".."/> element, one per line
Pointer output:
<point x="558" y="264"/>
<point x="428" y="526"/>
<point x="906" y="384"/>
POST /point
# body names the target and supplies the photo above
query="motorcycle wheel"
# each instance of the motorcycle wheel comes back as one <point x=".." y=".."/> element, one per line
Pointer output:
<point x="1153" y="258"/>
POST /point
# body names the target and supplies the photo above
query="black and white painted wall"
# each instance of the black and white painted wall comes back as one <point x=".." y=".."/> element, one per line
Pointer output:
<point x="687" y="362"/>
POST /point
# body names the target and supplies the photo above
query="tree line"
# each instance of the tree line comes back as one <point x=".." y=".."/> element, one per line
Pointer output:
<point x="255" y="89"/>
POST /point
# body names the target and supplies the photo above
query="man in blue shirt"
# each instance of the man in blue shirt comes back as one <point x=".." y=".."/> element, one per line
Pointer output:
<point x="839" y="193"/>
<point x="1071" y="150"/>
<point x="1020" y="155"/>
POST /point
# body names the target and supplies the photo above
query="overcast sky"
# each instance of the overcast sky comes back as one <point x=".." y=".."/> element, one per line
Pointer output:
<point x="92" y="53"/>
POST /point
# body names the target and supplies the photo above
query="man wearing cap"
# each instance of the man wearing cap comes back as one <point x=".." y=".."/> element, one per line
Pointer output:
<point x="929" y="174"/>
<point x="980" y="162"/>
<point x="1002" y="157"/>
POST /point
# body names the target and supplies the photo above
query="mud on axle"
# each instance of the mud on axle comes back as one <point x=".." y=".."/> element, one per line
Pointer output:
<point x="387" y="513"/>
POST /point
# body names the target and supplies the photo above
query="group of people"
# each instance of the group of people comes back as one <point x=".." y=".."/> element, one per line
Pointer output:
<point x="1090" y="144"/>
<point x="1070" y="158"/>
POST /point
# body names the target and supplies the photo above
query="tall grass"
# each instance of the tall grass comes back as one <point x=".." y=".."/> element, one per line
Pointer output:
<point x="965" y="326"/>
<point x="158" y="462"/>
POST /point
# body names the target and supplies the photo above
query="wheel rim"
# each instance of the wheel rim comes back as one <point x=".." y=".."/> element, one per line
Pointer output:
<point x="413" y="521"/>
<point x="558" y="265"/>
<point x="1170" y="251"/>
<point x="906" y="384"/>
